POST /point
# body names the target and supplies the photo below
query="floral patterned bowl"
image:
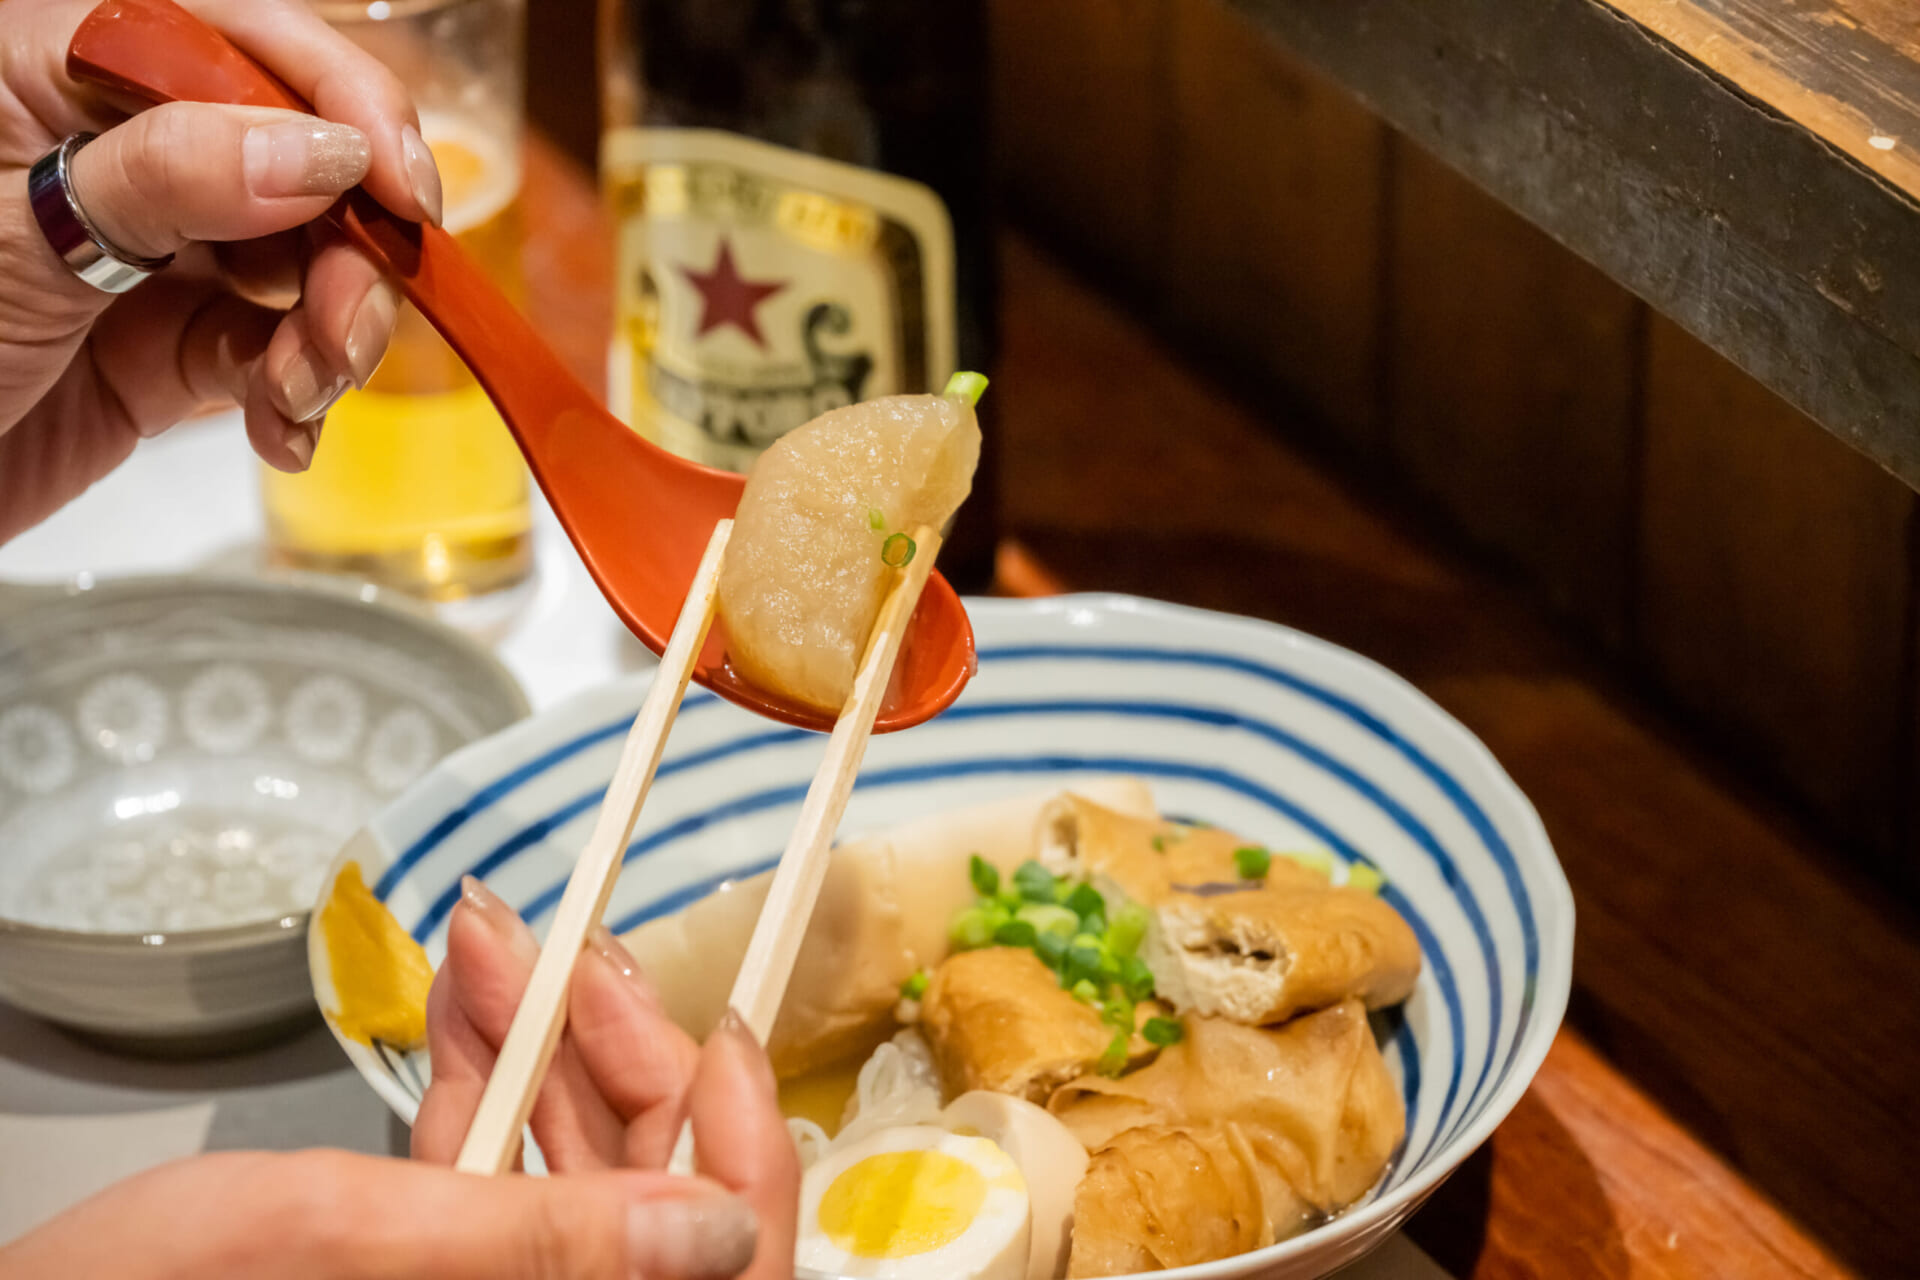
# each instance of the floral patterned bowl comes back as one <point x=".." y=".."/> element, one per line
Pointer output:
<point x="179" y="760"/>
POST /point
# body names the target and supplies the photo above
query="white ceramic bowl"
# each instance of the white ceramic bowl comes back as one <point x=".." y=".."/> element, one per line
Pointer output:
<point x="180" y="759"/>
<point x="1254" y="727"/>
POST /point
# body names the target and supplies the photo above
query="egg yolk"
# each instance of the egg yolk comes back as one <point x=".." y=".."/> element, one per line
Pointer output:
<point x="899" y="1203"/>
<point x="380" y="974"/>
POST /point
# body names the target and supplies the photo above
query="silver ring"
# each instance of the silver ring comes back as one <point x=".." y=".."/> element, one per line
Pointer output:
<point x="87" y="253"/>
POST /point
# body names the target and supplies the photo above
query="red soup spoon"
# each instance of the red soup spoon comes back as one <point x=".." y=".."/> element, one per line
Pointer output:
<point x="639" y="516"/>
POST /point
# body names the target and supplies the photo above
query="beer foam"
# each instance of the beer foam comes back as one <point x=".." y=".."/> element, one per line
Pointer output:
<point x="472" y="199"/>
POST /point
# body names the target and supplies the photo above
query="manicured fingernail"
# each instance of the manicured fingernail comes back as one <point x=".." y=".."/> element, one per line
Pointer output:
<point x="602" y="942"/>
<point x="736" y="1039"/>
<point x="307" y="388"/>
<point x="497" y="916"/>
<point x="372" y="328"/>
<point x="708" y="1238"/>
<point x="610" y="949"/>
<point x="304" y="158"/>
<point x="301" y="440"/>
<point x="422" y="174"/>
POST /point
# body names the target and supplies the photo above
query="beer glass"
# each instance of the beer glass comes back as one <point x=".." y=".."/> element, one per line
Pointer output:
<point x="416" y="483"/>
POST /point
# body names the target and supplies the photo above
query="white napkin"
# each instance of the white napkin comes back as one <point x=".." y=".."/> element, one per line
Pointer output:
<point x="50" y="1163"/>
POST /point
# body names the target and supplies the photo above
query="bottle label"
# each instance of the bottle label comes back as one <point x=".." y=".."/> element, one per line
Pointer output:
<point x="760" y="287"/>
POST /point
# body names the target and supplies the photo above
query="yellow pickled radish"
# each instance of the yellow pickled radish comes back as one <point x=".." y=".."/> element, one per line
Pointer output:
<point x="822" y="528"/>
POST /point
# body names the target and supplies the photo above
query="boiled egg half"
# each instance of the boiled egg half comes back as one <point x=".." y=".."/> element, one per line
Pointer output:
<point x="915" y="1203"/>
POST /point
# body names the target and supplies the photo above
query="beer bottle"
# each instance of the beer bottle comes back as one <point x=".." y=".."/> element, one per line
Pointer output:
<point x="800" y="192"/>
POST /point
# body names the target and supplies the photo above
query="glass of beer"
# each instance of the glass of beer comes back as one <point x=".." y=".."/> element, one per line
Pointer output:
<point x="416" y="483"/>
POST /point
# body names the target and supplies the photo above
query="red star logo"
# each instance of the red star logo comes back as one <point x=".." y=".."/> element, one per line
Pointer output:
<point x="728" y="298"/>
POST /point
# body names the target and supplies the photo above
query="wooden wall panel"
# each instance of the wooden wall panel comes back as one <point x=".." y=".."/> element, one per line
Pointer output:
<point x="1274" y="230"/>
<point x="1513" y="370"/>
<point x="1080" y="126"/>
<point x="1775" y="582"/>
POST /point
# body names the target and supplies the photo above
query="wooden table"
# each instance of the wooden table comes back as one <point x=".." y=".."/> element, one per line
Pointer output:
<point x="1749" y="167"/>
<point x="1588" y="1177"/>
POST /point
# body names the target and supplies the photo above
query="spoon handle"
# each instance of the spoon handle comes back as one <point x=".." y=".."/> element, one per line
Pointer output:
<point x="156" y="51"/>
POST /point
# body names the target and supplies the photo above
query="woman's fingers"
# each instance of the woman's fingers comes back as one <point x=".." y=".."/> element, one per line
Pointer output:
<point x="351" y="310"/>
<point x="490" y="957"/>
<point x="640" y="1061"/>
<point x="324" y="1215"/>
<point x="344" y="83"/>
<point x="190" y="171"/>
<point x="742" y="1141"/>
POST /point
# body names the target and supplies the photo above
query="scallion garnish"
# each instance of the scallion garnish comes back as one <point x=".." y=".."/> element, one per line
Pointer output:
<point x="985" y="876"/>
<point x="875" y="520"/>
<point x="897" y="551"/>
<point x="1034" y="882"/>
<point x="1085" y="992"/>
<point x="968" y="386"/>
<point x="1162" y="1032"/>
<point x="1127" y="931"/>
<point x="1252" y="862"/>
<point x="1016" y="933"/>
<point x="1365" y="877"/>
<point x="1114" y="1060"/>
<point x="915" y="987"/>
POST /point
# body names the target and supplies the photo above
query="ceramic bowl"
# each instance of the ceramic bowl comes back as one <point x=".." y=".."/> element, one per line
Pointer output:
<point x="180" y="759"/>
<point x="1268" y="732"/>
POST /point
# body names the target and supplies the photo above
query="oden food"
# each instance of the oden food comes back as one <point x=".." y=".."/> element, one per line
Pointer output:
<point x="1107" y="1043"/>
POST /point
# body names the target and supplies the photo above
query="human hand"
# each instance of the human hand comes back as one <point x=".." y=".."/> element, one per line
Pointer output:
<point x="607" y="1117"/>
<point x="257" y="309"/>
<point x="623" y="1079"/>
<point x="331" y="1215"/>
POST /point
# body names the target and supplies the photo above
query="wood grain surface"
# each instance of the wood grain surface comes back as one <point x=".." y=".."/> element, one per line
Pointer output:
<point x="1743" y="1032"/>
<point x="1847" y="69"/>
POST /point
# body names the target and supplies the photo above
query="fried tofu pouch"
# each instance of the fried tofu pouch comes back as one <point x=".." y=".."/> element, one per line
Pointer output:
<point x="998" y="1020"/>
<point x="1230" y="1140"/>
<point x="1160" y="1196"/>
<point x="882" y="915"/>
<point x="1257" y="952"/>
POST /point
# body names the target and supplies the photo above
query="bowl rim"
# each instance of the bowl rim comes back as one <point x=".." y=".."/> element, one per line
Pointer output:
<point x="19" y="601"/>
<point x="1358" y="1229"/>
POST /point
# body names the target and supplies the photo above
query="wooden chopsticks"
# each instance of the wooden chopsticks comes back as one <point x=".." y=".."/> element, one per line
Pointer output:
<point x="494" y="1137"/>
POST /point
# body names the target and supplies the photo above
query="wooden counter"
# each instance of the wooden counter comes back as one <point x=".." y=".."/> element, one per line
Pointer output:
<point x="1749" y="167"/>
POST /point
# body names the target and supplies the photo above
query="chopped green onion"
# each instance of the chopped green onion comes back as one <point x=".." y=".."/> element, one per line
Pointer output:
<point x="897" y="551"/>
<point x="1052" y="948"/>
<point x="1016" y="933"/>
<point x="1085" y="992"/>
<point x="1114" y="1060"/>
<point x="1135" y="978"/>
<point x="1084" y="901"/>
<point x="1083" y="963"/>
<point x="1162" y="1031"/>
<point x="1252" y="862"/>
<point x="1009" y="897"/>
<point x="915" y="987"/>
<point x="1159" y="844"/>
<point x="1034" y="882"/>
<point x="1094" y="924"/>
<point x="1124" y="935"/>
<point x="985" y="876"/>
<point x="1118" y="1013"/>
<point x="1365" y="877"/>
<point x="967" y="385"/>
<point x="1049" y="919"/>
<point x="875" y="520"/>
<point x="972" y="929"/>
<point x="1314" y="860"/>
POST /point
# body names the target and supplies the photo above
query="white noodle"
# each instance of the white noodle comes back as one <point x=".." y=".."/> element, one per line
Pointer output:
<point x="810" y="1138"/>
<point x="899" y="1085"/>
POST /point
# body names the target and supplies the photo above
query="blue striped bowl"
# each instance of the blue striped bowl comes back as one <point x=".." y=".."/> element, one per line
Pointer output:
<point x="1254" y="727"/>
